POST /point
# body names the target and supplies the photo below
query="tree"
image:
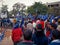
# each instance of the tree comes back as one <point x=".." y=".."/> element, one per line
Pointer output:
<point x="17" y="8"/>
<point x="22" y="8"/>
<point x="4" y="10"/>
<point x="37" y="8"/>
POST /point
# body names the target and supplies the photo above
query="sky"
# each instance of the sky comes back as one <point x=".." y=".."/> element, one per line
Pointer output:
<point x="26" y="2"/>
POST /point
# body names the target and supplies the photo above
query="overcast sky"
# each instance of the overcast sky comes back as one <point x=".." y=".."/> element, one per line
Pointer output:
<point x="26" y="2"/>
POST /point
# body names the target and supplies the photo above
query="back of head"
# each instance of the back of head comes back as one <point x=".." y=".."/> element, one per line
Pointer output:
<point x="29" y="21"/>
<point x="38" y="22"/>
<point x="56" y="34"/>
<point x="39" y="27"/>
<point x="54" y="21"/>
<point x="30" y="26"/>
<point x="27" y="34"/>
<point x="39" y="30"/>
<point x="54" y="25"/>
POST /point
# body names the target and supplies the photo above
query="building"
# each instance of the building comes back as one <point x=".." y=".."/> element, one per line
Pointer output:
<point x="55" y="6"/>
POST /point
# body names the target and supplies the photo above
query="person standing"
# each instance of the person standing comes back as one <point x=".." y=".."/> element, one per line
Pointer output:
<point x="27" y="38"/>
<point x="55" y="37"/>
<point x="39" y="37"/>
<point x="16" y="33"/>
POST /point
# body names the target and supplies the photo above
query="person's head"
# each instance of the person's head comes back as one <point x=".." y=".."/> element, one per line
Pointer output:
<point x="48" y="20"/>
<point x="25" y="24"/>
<point x="14" y="21"/>
<point x="56" y="34"/>
<point x="30" y="26"/>
<point x="29" y="21"/>
<point x="39" y="27"/>
<point x="59" y="21"/>
<point x="27" y="34"/>
<point x="38" y="18"/>
<point x="53" y="26"/>
<point x="42" y="20"/>
<point x="39" y="30"/>
<point x="38" y="22"/>
<point x="54" y="21"/>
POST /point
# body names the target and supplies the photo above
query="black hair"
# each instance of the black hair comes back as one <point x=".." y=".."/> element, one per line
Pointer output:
<point x="29" y="21"/>
<point x="38" y="18"/>
<point x="25" y="23"/>
<point x="39" y="31"/>
<point x="56" y="34"/>
<point x="48" y="20"/>
<point x="27" y="34"/>
<point x="54" y="25"/>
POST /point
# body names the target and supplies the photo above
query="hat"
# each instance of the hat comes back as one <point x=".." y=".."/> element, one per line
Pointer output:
<point x="39" y="27"/>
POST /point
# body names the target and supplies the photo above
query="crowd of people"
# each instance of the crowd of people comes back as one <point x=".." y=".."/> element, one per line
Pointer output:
<point x="36" y="32"/>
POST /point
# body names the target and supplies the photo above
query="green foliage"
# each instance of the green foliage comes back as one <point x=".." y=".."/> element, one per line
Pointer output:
<point x="16" y="6"/>
<point x="4" y="8"/>
<point x="38" y="8"/>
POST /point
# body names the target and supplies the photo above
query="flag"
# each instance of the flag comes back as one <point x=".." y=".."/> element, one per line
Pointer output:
<point x="39" y="16"/>
<point x="51" y="18"/>
<point x="45" y="17"/>
<point x="31" y="16"/>
<point x="22" y="22"/>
